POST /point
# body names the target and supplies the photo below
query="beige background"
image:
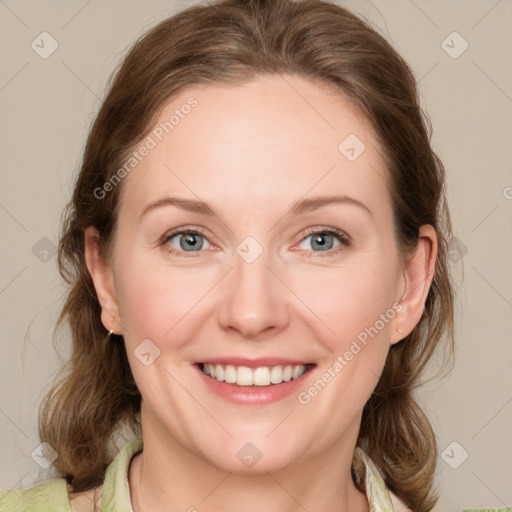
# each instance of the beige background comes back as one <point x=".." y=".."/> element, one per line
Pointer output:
<point x="48" y="105"/>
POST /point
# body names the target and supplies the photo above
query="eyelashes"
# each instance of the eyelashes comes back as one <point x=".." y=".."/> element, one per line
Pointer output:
<point x="174" y="234"/>
<point x="343" y="239"/>
<point x="336" y="233"/>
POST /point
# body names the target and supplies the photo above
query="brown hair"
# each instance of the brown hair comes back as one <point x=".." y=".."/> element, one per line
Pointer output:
<point x="232" y="41"/>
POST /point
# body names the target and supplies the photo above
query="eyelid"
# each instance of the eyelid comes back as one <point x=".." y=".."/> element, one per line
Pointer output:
<point x="326" y="229"/>
<point x="344" y="239"/>
<point x="184" y="230"/>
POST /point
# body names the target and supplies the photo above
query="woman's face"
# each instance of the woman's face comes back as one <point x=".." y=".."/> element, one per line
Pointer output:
<point x="280" y="163"/>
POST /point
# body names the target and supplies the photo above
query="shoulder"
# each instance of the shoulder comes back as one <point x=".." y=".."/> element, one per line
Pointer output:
<point x="88" y="501"/>
<point x="55" y="495"/>
<point x="51" y="495"/>
<point x="371" y="480"/>
<point x="398" y="504"/>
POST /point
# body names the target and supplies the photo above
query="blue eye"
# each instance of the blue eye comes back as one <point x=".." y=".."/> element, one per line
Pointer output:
<point x="189" y="240"/>
<point x="324" y="240"/>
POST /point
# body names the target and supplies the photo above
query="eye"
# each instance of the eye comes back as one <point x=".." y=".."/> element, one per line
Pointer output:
<point x="191" y="241"/>
<point x="324" y="240"/>
<point x="186" y="240"/>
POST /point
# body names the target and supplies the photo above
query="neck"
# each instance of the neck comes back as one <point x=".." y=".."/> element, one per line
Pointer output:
<point x="166" y="476"/>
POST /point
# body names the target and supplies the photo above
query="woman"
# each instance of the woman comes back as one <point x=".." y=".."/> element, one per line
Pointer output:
<point x="257" y="254"/>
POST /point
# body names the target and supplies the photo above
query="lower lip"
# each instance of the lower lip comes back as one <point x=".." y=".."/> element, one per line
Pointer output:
<point x="254" y="394"/>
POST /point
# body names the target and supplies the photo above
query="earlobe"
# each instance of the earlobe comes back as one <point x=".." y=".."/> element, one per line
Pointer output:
<point x="418" y="274"/>
<point x="102" y="276"/>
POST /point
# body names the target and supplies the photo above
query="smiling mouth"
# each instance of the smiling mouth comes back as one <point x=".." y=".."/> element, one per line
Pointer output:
<point x="260" y="376"/>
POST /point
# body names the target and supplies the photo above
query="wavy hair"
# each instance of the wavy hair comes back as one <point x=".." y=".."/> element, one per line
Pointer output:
<point x="232" y="41"/>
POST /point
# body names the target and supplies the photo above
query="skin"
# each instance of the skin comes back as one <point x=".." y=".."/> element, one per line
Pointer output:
<point x="250" y="151"/>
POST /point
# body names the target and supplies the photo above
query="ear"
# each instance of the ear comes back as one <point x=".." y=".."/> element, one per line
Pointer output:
<point x="103" y="278"/>
<point x="418" y="273"/>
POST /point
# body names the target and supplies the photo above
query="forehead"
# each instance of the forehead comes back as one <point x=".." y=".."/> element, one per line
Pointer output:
<point x="272" y="140"/>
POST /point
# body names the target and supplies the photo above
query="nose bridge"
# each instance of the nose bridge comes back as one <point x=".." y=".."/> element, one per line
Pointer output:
<point x="255" y="300"/>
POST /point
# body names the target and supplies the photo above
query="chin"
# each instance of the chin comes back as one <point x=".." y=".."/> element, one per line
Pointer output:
<point x="245" y="457"/>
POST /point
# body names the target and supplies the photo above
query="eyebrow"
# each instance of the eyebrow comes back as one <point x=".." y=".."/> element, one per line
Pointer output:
<point x="302" y="206"/>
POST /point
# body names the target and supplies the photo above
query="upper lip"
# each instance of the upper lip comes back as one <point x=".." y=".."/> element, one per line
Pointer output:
<point x="254" y="363"/>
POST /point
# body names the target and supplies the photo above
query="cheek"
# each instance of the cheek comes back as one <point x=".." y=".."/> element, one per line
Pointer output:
<point x="346" y="300"/>
<point x="158" y="304"/>
<point x="156" y="299"/>
<point x="353" y="308"/>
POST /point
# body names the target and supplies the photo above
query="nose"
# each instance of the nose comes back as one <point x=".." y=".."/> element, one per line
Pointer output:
<point x="254" y="299"/>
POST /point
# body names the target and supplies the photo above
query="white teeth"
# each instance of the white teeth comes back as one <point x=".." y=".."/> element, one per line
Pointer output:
<point x="219" y="372"/>
<point x="297" y="371"/>
<point x="229" y="374"/>
<point x="244" y="376"/>
<point x="261" y="376"/>
<point x="276" y="375"/>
